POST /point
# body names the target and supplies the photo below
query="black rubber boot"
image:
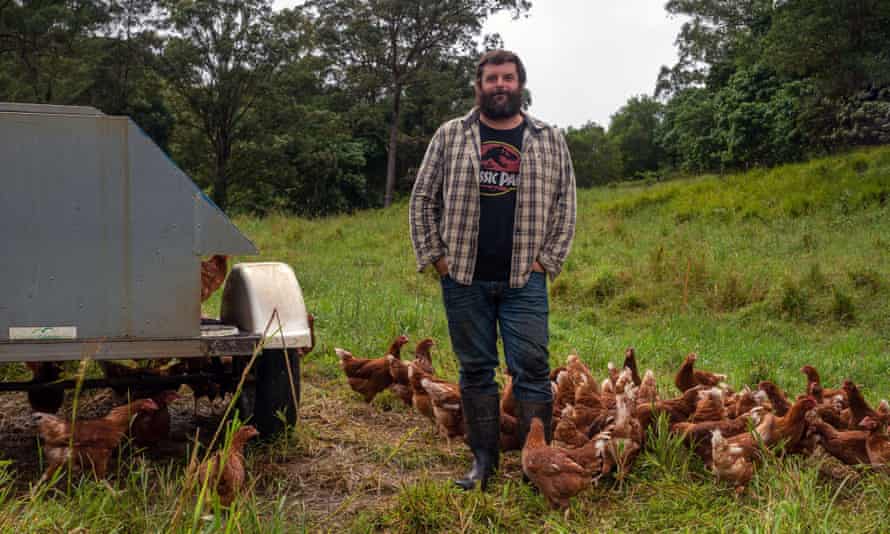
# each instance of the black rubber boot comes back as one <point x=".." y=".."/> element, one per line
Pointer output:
<point x="482" y="415"/>
<point x="526" y="411"/>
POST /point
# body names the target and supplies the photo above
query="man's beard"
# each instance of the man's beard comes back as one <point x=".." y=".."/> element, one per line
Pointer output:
<point x="492" y="108"/>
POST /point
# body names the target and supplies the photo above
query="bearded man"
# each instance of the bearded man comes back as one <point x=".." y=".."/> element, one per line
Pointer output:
<point x="493" y="210"/>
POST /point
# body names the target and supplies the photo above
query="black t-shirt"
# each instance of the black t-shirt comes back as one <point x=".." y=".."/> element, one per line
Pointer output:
<point x="501" y="153"/>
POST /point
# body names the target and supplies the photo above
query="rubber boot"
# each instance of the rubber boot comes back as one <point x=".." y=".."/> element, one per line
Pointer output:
<point x="526" y="411"/>
<point x="482" y="416"/>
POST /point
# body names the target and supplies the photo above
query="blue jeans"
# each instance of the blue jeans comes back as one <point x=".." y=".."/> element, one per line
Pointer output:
<point x="475" y="312"/>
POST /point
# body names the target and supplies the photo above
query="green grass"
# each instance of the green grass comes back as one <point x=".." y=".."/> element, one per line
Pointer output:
<point x="759" y="273"/>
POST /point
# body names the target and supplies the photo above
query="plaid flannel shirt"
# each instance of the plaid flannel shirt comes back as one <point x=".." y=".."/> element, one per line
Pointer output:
<point x="444" y="209"/>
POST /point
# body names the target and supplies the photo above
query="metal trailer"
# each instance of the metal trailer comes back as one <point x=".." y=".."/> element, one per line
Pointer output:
<point x="103" y="237"/>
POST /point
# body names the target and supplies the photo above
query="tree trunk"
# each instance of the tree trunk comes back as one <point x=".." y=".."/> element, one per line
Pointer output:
<point x="221" y="181"/>
<point x="393" y="145"/>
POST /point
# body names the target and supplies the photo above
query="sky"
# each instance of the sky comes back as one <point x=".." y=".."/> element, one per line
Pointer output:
<point x="585" y="58"/>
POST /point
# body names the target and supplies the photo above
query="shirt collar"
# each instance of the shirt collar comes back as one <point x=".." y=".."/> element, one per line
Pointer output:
<point x="473" y="117"/>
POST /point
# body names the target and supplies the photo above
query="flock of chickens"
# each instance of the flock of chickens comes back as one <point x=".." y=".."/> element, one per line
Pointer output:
<point x="600" y="426"/>
<point x="88" y="444"/>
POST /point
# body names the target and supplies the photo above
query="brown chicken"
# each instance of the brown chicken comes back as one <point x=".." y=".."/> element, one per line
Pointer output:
<point x="709" y="406"/>
<point x="577" y="370"/>
<point x="508" y="401"/>
<point x="630" y="362"/>
<point x="423" y="356"/>
<point x="776" y="396"/>
<point x="420" y="399"/>
<point x="366" y="376"/>
<point x="813" y="378"/>
<point x="731" y="462"/>
<point x="401" y="379"/>
<point x="648" y="392"/>
<point x="877" y="444"/>
<point x="224" y="472"/>
<point x="445" y="399"/>
<point x="509" y="439"/>
<point x="847" y="446"/>
<point x="676" y="410"/>
<point x="551" y="470"/>
<point x="149" y="428"/>
<point x="688" y="377"/>
<point x="213" y="274"/>
<point x="859" y="408"/>
<point x="744" y="401"/>
<point x="566" y="432"/>
<point x="47" y="400"/>
<point x="565" y="391"/>
<point x="87" y="443"/>
<point x="698" y="435"/>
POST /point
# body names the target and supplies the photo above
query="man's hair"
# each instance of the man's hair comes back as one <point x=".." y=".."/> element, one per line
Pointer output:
<point x="499" y="57"/>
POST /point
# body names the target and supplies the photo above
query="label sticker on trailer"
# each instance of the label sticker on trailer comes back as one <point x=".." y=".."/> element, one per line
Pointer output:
<point x="42" y="332"/>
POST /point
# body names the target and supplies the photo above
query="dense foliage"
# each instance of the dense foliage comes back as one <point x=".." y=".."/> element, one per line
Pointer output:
<point x="329" y="106"/>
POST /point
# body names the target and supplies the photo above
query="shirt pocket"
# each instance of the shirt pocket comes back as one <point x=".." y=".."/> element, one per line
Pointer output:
<point x="541" y="173"/>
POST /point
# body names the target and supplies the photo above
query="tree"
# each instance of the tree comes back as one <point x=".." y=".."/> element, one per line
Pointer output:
<point x="632" y="130"/>
<point x="382" y="46"/>
<point x="217" y="61"/>
<point x="595" y="158"/>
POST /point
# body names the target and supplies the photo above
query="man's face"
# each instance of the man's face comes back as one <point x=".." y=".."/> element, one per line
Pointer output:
<point x="498" y="92"/>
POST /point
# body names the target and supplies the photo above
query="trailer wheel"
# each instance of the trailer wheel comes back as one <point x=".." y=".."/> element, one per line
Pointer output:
<point x="270" y="393"/>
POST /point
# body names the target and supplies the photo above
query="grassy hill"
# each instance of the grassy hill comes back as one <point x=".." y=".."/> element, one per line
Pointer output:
<point x="759" y="273"/>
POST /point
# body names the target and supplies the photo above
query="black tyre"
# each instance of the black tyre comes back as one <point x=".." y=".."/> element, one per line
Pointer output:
<point x="262" y="399"/>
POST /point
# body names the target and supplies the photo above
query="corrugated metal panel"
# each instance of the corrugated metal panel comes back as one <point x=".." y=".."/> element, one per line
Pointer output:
<point x="100" y="230"/>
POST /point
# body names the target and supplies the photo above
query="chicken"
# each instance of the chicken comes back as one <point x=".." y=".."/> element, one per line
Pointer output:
<point x="877" y="444"/>
<point x="565" y="391"/>
<point x="508" y="401"/>
<point x="149" y="428"/>
<point x="859" y="408"/>
<point x="788" y="429"/>
<point x="813" y="378"/>
<point x="732" y="463"/>
<point x="630" y="362"/>
<point x="366" y="376"/>
<point x="87" y="443"/>
<point x="588" y="408"/>
<point x="423" y="357"/>
<point x="566" y="431"/>
<point x="698" y="435"/>
<point x="401" y="379"/>
<point x="577" y="370"/>
<point x="688" y="377"/>
<point x="509" y="439"/>
<point x="47" y="400"/>
<point x="398" y="370"/>
<point x="626" y="437"/>
<point x="213" y="274"/>
<point x="776" y="397"/>
<point x="744" y="401"/>
<point x="709" y="406"/>
<point x="676" y="410"/>
<point x="224" y="472"/>
<point x="551" y="470"/>
<point x="420" y="399"/>
<point x="447" y="412"/>
<point x="608" y="384"/>
<point x="648" y="392"/>
<point x="847" y="446"/>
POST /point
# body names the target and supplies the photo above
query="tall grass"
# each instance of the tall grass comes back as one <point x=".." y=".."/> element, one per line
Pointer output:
<point x="759" y="273"/>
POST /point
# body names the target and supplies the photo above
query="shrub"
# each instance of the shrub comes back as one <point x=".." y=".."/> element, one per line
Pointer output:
<point x="795" y="303"/>
<point x="842" y="308"/>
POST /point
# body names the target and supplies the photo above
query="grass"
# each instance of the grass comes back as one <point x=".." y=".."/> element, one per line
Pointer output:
<point x="759" y="273"/>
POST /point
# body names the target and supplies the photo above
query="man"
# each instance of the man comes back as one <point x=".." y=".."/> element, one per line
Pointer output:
<point x="493" y="209"/>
